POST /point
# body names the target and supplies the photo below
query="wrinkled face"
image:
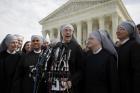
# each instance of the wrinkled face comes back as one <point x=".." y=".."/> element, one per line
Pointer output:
<point x="67" y="34"/>
<point x="12" y="46"/>
<point x="20" y="42"/>
<point x="122" y="33"/>
<point x="36" y="43"/>
<point x="92" y="42"/>
<point x="28" y="47"/>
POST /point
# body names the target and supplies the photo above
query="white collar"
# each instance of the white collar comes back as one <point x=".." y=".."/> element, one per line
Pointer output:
<point x="97" y="51"/>
<point x="39" y="51"/>
<point x="10" y="52"/>
<point x="18" y="49"/>
<point x="124" y="41"/>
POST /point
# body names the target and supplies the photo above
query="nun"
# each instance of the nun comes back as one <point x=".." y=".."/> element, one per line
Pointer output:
<point x="20" y="43"/>
<point x="9" y="60"/>
<point x="129" y="57"/>
<point x="2" y="45"/>
<point x="100" y="71"/>
<point x="23" y="75"/>
<point x="46" y="42"/>
<point x="66" y="80"/>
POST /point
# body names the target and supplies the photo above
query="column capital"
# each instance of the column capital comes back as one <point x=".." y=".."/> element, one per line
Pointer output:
<point x="89" y="20"/>
<point x="78" y="22"/>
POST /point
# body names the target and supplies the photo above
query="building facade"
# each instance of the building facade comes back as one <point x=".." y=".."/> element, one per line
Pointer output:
<point x="86" y="16"/>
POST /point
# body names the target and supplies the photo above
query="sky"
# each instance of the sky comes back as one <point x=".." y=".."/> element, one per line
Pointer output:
<point x="22" y="16"/>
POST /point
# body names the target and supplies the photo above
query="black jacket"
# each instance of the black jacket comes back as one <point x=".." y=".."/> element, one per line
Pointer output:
<point x="100" y="73"/>
<point x="129" y="67"/>
<point x="75" y="64"/>
<point x="23" y="81"/>
<point x="8" y="64"/>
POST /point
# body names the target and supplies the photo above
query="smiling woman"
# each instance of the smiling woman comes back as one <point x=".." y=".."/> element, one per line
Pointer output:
<point x="129" y="59"/>
<point x="9" y="59"/>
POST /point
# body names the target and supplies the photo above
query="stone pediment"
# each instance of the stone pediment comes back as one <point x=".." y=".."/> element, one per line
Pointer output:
<point x="74" y="6"/>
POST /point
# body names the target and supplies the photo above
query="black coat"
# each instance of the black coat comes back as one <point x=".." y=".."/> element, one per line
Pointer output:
<point x="100" y="73"/>
<point x="75" y="64"/>
<point x="24" y="83"/>
<point x="8" y="64"/>
<point x="129" y="67"/>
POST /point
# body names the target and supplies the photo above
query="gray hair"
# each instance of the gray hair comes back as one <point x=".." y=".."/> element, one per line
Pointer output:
<point x="19" y="36"/>
<point x="67" y="26"/>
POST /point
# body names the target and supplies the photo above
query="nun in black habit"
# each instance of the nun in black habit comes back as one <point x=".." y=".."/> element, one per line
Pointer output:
<point x="9" y="60"/>
<point x="23" y="79"/>
<point x="129" y="57"/>
<point x="66" y="80"/>
<point x="100" y="72"/>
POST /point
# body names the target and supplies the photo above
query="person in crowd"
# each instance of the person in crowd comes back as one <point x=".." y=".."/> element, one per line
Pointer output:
<point x="23" y="78"/>
<point x="9" y="60"/>
<point x="2" y="45"/>
<point x="65" y="77"/>
<point x="27" y="47"/>
<point x="129" y="57"/>
<point x="54" y="41"/>
<point x="100" y="67"/>
<point x="138" y="28"/>
<point x="85" y="49"/>
<point x="46" y="42"/>
<point x="20" y="42"/>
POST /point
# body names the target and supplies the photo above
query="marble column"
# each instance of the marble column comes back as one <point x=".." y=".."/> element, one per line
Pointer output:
<point x="58" y="36"/>
<point x="51" y="33"/>
<point x="101" y="23"/>
<point x="95" y="25"/>
<point x="115" y="22"/>
<point x="89" y="26"/>
<point x="79" y="32"/>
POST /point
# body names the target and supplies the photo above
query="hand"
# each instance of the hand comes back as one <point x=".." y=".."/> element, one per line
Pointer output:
<point x="66" y="84"/>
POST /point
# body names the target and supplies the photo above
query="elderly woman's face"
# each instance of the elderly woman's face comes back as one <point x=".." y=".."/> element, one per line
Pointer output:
<point x="67" y="34"/>
<point x="20" y="42"/>
<point x="122" y="33"/>
<point x="92" y="42"/>
<point x="36" y="43"/>
<point x="13" y="45"/>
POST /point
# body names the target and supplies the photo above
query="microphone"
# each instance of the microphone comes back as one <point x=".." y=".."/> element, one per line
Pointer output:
<point x="57" y="53"/>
